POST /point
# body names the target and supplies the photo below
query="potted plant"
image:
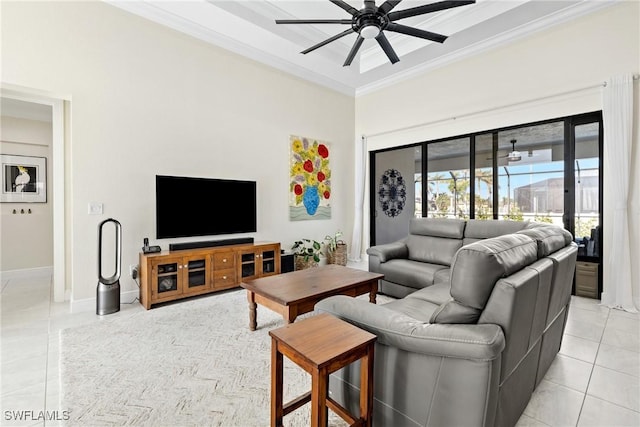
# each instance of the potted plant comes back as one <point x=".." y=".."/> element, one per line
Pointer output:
<point x="307" y="253"/>
<point x="336" y="249"/>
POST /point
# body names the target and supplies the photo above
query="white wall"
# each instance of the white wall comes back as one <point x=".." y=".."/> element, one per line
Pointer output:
<point x="555" y="73"/>
<point x="27" y="238"/>
<point x="147" y="100"/>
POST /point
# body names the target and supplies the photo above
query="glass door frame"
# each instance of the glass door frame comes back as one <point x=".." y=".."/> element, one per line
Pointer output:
<point x="569" y="167"/>
<point x="570" y="191"/>
<point x="570" y="123"/>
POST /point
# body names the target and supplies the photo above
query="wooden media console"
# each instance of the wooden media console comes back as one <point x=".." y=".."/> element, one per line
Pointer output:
<point x="171" y="275"/>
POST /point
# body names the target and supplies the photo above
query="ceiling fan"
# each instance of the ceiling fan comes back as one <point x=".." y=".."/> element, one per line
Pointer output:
<point x="371" y="21"/>
<point x="514" y="155"/>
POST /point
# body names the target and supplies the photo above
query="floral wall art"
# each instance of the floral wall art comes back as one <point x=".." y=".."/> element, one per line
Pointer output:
<point x="310" y="179"/>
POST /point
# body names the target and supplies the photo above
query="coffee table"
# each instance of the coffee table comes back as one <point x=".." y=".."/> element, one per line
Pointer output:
<point x="295" y="293"/>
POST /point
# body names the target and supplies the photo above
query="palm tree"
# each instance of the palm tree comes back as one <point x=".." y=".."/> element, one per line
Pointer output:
<point x="434" y="180"/>
<point x="484" y="206"/>
<point x="485" y="176"/>
<point x="458" y="185"/>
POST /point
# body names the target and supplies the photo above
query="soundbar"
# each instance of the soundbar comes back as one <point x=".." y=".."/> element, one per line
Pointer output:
<point x="209" y="244"/>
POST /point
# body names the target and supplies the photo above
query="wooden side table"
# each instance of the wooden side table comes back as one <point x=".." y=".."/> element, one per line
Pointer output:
<point x="321" y="345"/>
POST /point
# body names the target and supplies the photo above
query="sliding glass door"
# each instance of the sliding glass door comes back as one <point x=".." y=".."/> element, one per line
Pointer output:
<point x="396" y="192"/>
<point x="586" y="179"/>
<point x="530" y="170"/>
<point x="545" y="172"/>
<point x="448" y="179"/>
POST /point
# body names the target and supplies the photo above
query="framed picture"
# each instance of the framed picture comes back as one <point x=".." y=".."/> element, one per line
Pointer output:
<point x="24" y="179"/>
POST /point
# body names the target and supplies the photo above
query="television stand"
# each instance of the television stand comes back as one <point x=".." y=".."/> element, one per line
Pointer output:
<point x="171" y="275"/>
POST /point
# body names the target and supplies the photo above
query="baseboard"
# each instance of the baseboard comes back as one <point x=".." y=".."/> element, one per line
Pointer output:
<point x="89" y="304"/>
<point x="26" y="273"/>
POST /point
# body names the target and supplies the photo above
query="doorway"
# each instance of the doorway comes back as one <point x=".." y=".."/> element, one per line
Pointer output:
<point x="56" y="185"/>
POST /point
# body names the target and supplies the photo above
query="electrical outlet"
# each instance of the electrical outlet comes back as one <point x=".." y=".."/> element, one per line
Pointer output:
<point x="133" y="271"/>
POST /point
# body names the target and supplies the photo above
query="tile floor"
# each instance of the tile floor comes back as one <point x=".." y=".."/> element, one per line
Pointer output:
<point x="594" y="380"/>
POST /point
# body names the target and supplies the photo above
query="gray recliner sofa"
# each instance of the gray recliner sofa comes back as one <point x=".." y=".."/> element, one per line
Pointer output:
<point x="424" y="257"/>
<point x="469" y="346"/>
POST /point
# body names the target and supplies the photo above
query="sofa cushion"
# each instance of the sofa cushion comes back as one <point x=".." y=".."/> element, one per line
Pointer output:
<point x="412" y="274"/>
<point x="475" y="270"/>
<point x="453" y="312"/>
<point x="415" y="308"/>
<point x="438" y="293"/>
<point x="443" y="276"/>
<point x="437" y="250"/>
<point x="437" y="227"/>
<point x="549" y="238"/>
<point x="486" y="229"/>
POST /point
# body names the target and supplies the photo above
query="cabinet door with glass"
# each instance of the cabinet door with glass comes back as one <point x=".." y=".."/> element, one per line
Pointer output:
<point x="195" y="274"/>
<point x="269" y="261"/>
<point x="166" y="279"/>
<point x="259" y="261"/>
<point x="180" y="275"/>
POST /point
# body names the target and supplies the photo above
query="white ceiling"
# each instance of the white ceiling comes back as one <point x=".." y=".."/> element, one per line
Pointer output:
<point x="248" y="28"/>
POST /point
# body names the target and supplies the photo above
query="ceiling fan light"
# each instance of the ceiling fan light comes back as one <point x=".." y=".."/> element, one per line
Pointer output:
<point x="514" y="156"/>
<point x="369" y="32"/>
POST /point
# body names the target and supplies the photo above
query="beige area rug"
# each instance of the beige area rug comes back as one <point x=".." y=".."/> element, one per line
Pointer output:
<point x="192" y="363"/>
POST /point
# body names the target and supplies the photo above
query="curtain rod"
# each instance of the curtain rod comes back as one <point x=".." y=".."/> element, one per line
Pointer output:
<point x="486" y="110"/>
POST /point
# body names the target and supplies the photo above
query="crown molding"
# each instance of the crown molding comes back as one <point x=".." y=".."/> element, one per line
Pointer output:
<point x="164" y="17"/>
<point x="507" y="37"/>
<point x="322" y="74"/>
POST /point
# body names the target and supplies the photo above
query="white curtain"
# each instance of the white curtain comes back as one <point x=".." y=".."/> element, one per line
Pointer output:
<point x="618" y="132"/>
<point x="360" y="172"/>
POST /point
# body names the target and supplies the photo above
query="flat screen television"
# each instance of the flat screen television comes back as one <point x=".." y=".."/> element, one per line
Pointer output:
<point x="187" y="206"/>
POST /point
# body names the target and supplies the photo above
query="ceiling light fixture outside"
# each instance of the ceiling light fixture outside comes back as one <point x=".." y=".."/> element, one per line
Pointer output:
<point x="369" y="32"/>
<point x="514" y="156"/>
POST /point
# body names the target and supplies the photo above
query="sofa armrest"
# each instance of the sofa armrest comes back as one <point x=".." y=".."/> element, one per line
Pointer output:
<point x="478" y="342"/>
<point x="389" y="251"/>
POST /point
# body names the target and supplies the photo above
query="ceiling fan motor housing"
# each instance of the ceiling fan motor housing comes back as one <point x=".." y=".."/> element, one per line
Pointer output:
<point x="369" y="23"/>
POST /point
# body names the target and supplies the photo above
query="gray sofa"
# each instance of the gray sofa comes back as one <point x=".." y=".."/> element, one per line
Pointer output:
<point x="424" y="257"/>
<point x="473" y="334"/>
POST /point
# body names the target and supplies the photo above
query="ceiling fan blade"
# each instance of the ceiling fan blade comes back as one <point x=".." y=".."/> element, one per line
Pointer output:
<point x="353" y="51"/>
<point x="410" y="31"/>
<point x="386" y="46"/>
<point x="388" y="5"/>
<point x="427" y="8"/>
<point x="329" y="40"/>
<point x="346" y="6"/>
<point x="313" y="21"/>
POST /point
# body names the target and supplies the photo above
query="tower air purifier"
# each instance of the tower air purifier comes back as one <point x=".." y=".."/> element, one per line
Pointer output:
<point x="108" y="290"/>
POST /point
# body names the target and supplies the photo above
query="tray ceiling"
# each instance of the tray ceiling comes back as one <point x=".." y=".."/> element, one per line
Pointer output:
<point x="248" y="28"/>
